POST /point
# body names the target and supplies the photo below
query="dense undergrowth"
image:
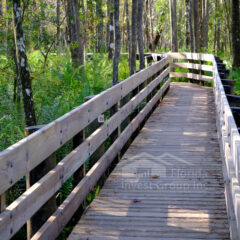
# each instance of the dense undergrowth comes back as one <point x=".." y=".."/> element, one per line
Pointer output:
<point x="57" y="89"/>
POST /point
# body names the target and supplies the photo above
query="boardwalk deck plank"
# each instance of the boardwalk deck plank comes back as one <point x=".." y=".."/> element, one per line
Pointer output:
<point x="169" y="184"/>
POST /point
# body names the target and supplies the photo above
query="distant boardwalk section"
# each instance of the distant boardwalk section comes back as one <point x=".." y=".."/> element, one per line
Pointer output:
<point x="169" y="184"/>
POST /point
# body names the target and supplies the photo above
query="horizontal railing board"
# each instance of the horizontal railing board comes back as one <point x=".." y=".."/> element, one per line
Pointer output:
<point x="230" y="143"/>
<point x="25" y="155"/>
<point x="51" y="229"/>
<point x="202" y="67"/>
<point x="192" y="56"/>
<point x="191" y="76"/>
<point x="30" y="201"/>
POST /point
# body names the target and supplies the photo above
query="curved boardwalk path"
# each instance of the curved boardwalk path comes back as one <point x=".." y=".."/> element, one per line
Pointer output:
<point x="169" y="184"/>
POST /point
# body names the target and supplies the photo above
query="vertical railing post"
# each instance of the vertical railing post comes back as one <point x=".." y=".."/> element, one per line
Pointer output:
<point x="89" y="130"/>
<point x="78" y="176"/>
<point x="2" y="202"/>
<point x="114" y="109"/>
<point x="201" y="73"/>
<point x="80" y="173"/>
<point x="36" y="174"/>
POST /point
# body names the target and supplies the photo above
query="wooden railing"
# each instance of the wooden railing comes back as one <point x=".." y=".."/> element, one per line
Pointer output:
<point x="139" y="94"/>
<point x="230" y="146"/>
<point x="145" y="88"/>
<point x="207" y="68"/>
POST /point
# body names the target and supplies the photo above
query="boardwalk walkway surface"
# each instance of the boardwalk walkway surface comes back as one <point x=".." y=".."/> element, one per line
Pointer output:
<point x="169" y="184"/>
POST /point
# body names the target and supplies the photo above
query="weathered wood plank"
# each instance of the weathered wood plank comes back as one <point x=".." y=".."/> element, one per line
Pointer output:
<point x="191" y="76"/>
<point x="192" y="56"/>
<point x="208" y="68"/>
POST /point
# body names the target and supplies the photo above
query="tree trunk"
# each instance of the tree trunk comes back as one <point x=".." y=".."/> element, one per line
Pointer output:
<point x="147" y="26"/>
<point x="107" y="24"/>
<point x="111" y="30"/>
<point x="22" y="62"/>
<point x="17" y="80"/>
<point x="196" y="27"/>
<point x="117" y="42"/>
<point x="235" y="33"/>
<point x="180" y="15"/>
<point x="173" y="17"/>
<point x="123" y="25"/>
<point x="128" y="33"/>
<point x="188" y="24"/>
<point x="228" y="20"/>
<point x="140" y="33"/>
<point x="76" y="43"/>
<point x="58" y="21"/>
<point x="200" y="15"/>
<point x="133" y="38"/>
<point x="99" y="12"/>
<point x="218" y="35"/>
<point x="205" y="24"/>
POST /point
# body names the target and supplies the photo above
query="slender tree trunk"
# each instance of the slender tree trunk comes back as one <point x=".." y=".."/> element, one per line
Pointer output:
<point x="205" y="23"/>
<point x="128" y="33"/>
<point x="76" y="42"/>
<point x="107" y="24"/>
<point x="140" y="33"/>
<point x="123" y="25"/>
<point x="200" y="6"/>
<point x="189" y="32"/>
<point x="99" y="12"/>
<point x="111" y="30"/>
<point x="117" y="42"/>
<point x="17" y="79"/>
<point x="218" y="35"/>
<point x="58" y="20"/>
<point x="228" y="24"/>
<point x="23" y="65"/>
<point x="147" y="26"/>
<point x="151" y="18"/>
<point x="83" y="25"/>
<point x="180" y="15"/>
<point x="173" y="17"/>
<point x="235" y="33"/>
<point x="196" y="27"/>
<point x="133" y="38"/>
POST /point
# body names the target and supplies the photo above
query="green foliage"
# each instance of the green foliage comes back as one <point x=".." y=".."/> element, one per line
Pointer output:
<point x="57" y="90"/>
<point x="235" y="74"/>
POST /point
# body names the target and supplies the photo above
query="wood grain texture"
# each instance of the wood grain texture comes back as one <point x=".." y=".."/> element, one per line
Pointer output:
<point x="208" y="68"/>
<point x="191" y="76"/>
<point x="169" y="184"/>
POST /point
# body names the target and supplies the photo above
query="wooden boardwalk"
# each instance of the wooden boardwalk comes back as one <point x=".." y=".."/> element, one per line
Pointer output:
<point x="169" y="184"/>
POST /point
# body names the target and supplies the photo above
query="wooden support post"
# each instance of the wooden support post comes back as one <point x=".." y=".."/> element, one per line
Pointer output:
<point x="114" y="109"/>
<point x="41" y="216"/>
<point x="202" y="73"/>
<point x="89" y="130"/>
<point x="2" y="202"/>
<point x="80" y="173"/>
<point x="77" y="177"/>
